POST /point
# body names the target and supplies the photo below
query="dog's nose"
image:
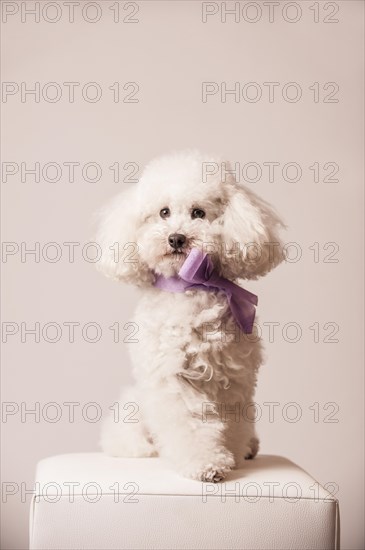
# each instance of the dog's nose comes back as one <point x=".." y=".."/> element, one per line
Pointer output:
<point x="176" y="240"/>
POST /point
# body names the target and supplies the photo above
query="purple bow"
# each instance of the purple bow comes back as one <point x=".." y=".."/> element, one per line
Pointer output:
<point x="198" y="272"/>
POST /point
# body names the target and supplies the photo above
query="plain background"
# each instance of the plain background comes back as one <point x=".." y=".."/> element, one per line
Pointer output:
<point x="169" y="52"/>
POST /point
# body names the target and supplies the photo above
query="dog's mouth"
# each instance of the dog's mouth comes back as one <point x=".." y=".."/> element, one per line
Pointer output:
<point x="177" y="253"/>
<point x="176" y="257"/>
<point x="171" y="262"/>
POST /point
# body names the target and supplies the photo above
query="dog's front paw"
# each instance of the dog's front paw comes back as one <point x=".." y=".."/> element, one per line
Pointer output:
<point x="211" y="472"/>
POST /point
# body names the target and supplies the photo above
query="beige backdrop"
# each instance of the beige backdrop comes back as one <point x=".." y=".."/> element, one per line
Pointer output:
<point x="157" y="57"/>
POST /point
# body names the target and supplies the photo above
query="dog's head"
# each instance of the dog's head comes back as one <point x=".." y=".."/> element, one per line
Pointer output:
<point x="182" y="202"/>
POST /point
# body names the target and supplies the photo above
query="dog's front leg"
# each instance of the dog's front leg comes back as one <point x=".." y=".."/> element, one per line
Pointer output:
<point x="193" y="443"/>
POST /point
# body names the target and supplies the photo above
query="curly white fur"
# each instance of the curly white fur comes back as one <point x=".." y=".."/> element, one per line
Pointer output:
<point x="193" y="367"/>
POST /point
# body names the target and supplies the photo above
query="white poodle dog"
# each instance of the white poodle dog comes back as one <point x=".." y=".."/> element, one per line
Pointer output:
<point x="187" y="237"/>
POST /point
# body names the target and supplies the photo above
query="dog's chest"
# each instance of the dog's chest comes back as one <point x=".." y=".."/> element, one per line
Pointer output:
<point x="186" y="307"/>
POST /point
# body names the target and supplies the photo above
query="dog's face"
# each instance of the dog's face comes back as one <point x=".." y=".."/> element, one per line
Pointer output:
<point x="178" y="205"/>
<point x="179" y="212"/>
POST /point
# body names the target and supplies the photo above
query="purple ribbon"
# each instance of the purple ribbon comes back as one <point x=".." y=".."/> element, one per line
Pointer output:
<point x="198" y="272"/>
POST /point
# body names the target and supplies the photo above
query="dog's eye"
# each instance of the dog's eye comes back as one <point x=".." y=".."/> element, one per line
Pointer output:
<point x="165" y="212"/>
<point x="197" y="213"/>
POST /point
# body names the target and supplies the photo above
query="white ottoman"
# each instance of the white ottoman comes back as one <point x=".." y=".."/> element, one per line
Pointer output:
<point x="91" y="501"/>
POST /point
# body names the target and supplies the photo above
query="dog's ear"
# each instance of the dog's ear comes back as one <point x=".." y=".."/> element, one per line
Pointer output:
<point x="249" y="227"/>
<point x="116" y="236"/>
